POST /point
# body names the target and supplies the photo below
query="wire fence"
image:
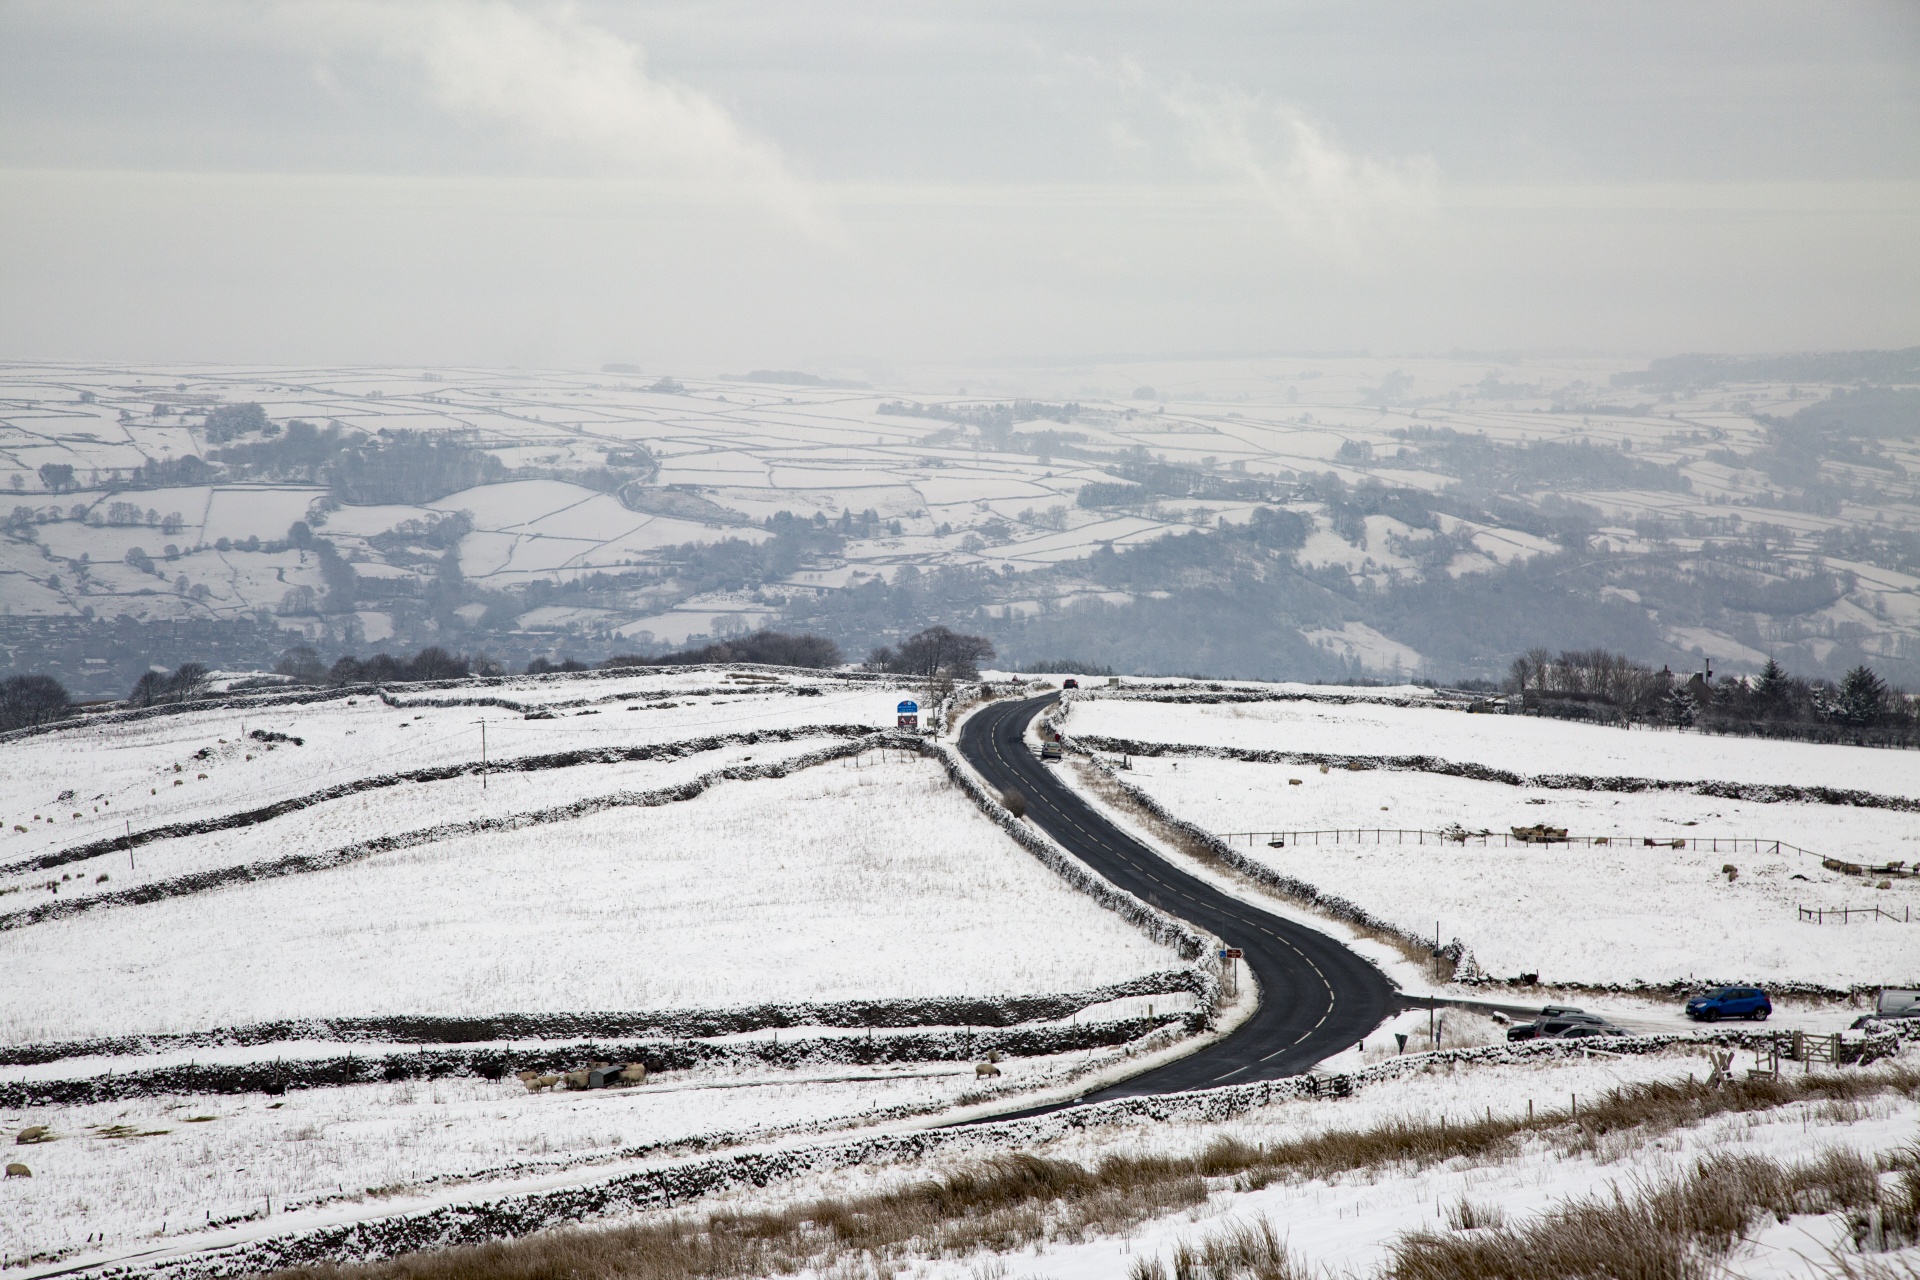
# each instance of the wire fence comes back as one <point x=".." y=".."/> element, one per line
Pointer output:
<point x="1409" y="835"/>
<point x="1556" y="836"/>
<point x="1847" y="915"/>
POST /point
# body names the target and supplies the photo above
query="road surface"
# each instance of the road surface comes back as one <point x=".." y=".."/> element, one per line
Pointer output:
<point x="1316" y="996"/>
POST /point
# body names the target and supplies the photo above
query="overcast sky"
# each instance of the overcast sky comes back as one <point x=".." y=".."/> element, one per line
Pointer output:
<point x="862" y="187"/>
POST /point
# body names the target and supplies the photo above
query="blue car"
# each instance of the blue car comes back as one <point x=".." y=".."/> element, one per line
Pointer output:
<point x="1730" y="1002"/>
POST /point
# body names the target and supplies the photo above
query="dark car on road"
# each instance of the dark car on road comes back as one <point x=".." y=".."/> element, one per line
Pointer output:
<point x="1581" y="1030"/>
<point x="1730" y="1002"/>
<point x="1554" y="1024"/>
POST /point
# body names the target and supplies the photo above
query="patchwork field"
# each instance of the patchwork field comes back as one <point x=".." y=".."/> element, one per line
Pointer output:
<point x="578" y="515"/>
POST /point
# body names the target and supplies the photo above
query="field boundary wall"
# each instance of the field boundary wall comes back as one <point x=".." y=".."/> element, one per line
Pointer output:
<point x="677" y="1024"/>
<point x="1753" y="792"/>
<point x="437" y="773"/>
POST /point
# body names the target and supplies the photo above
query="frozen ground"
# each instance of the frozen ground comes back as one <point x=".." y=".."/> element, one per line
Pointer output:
<point x="1619" y="913"/>
<point x="170" y="1166"/>
<point x="1527" y="745"/>
<point x="863" y="878"/>
<point x="125" y="772"/>
<point x="1346" y="1225"/>
<point x="350" y="819"/>
<point x="1564" y="911"/>
<point x="836" y="882"/>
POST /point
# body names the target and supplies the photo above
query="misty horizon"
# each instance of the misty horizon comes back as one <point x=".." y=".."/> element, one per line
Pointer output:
<point x="864" y="190"/>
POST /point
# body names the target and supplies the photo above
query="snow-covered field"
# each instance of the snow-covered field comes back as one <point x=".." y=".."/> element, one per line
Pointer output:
<point x="1619" y="913"/>
<point x="148" y="772"/>
<point x="1528" y="745"/>
<point x="833" y="883"/>
<point x="1564" y="911"/>
<point x="861" y="877"/>
<point x="174" y="1165"/>
<point x="359" y="816"/>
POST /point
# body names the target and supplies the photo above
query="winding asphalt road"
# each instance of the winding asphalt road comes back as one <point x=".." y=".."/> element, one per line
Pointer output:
<point x="1317" y="997"/>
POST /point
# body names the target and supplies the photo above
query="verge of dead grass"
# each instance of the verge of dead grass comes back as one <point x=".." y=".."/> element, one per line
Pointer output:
<point x="1684" y="1229"/>
<point x="1118" y="797"/>
<point x="1681" y="1230"/>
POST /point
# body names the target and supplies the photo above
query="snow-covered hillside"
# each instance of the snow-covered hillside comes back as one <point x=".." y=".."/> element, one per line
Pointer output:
<point x="1634" y="909"/>
<point x="551" y="882"/>
<point x="797" y="920"/>
<point x="529" y="511"/>
<point x="855" y="879"/>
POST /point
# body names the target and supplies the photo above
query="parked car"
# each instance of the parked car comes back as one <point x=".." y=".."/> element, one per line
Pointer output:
<point x="1730" y="1002"/>
<point x="1544" y="1028"/>
<point x="1049" y="752"/>
<point x="1897" y="1002"/>
<point x="1580" y="1030"/>
<point x="1893" y="1002"/>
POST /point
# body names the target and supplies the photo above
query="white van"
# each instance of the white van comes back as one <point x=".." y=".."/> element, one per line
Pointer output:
<point x="1897" y="1002"/>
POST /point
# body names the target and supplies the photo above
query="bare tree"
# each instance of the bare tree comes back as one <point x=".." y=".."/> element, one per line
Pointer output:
<point x="29" y="700"/>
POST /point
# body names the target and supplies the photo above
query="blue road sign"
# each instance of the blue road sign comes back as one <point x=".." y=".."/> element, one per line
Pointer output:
<point x="908" y="708"/>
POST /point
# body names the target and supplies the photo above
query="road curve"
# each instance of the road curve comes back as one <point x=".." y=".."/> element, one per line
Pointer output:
<point x="1317" y="997"/>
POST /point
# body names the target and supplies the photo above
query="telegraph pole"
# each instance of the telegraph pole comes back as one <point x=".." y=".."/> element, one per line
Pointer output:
<point x="483" y="752"/>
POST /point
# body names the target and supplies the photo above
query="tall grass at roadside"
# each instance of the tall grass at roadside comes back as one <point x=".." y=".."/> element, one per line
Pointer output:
<point x="1681" y="1230"/>
<point x="1012" y="1201"/>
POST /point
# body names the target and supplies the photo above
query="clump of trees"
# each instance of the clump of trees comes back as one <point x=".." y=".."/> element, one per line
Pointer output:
<point x="541" y="666"/>
<point x="31" y="700"/>
<point x="936" y="654"/>
<point x="232" y="420"/>
<point x="411" y="467"/>
<point x="1596" y="684"/>
<point x="772" y="648"/>
<point x="431" y="663"/>
<point x="155" y="687"/>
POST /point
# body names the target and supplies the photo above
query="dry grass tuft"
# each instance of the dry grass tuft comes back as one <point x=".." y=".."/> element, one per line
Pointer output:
<point x="1186" y="842"/>
<point x="1468" y="1216"/>
<point x="1244" y="1251"/>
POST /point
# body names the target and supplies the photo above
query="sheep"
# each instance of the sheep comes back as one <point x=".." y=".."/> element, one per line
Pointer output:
<point x="33" y="1133"/>
<point x="534" y="1082"/>
<point x="981" y="1070"/>
<point x="1731" y="872"/>
<point x="18" y="1170"/>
